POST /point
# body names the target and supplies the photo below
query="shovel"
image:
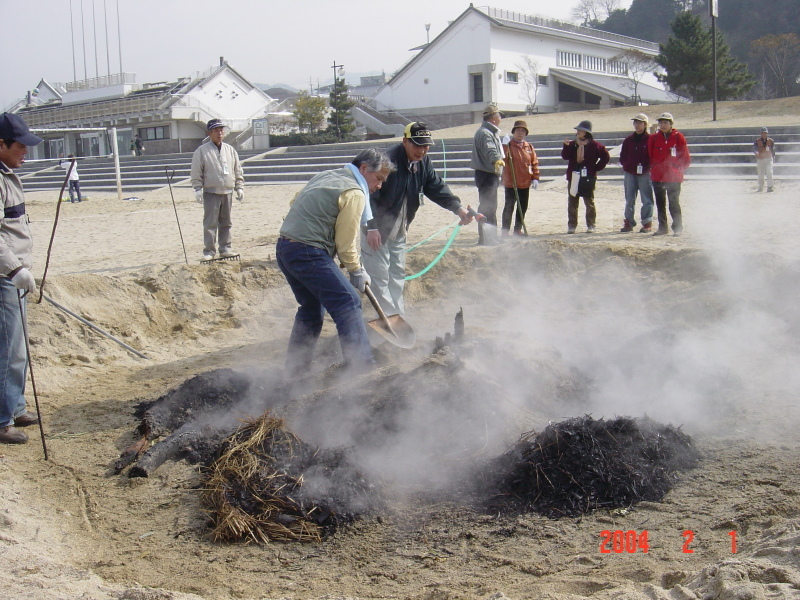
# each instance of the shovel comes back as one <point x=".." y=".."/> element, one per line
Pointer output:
<point x="393" y="329"/>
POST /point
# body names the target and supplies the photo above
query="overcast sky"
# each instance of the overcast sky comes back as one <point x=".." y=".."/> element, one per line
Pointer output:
<point x="268" y="41"/>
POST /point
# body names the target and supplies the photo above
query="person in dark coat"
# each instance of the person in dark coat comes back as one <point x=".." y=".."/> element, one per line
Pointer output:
<point x="585" y="159"/>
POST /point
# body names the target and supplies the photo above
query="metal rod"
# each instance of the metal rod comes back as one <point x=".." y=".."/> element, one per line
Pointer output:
<point x="169" y="175"/>
<point x="93" y="326"/>
<point x="30" y="370"/>
<point x="53" y="234"/>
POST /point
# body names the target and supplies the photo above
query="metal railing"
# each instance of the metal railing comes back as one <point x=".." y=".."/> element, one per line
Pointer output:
<point x="44" y="116"/>
<point x="507" y="15"/>
<point x="99" y="82"/>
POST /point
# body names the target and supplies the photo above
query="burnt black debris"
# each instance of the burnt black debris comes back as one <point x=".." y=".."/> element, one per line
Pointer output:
<point x="583" y="464"/>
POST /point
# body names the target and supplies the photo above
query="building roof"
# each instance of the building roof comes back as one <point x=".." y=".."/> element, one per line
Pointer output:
<point x="536" y="25"/>
<point x="618" y="88"/>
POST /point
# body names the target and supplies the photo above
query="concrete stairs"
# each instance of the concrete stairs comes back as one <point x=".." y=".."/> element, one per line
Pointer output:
<point x="716" y="155"/>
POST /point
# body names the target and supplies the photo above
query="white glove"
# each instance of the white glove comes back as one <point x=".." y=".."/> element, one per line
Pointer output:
<point x="360" y="279"/>
<point x="198" y="195"/>
<point x="240" y="195"/>
<point x="535" y="184"/>
<point x="23" y="280"/>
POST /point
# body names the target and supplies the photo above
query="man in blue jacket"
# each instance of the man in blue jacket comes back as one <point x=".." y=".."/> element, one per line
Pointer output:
<point x="383" y="240"/>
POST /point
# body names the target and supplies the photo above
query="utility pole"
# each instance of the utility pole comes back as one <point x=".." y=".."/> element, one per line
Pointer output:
<point x="713" y="6"/>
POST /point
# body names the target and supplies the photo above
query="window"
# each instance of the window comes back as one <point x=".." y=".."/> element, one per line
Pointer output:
<point x="477" y="87"/>
<point x="590" y="98"/>
<point x="567" y="93"/>
<point x="569" y="59"/>
<point x="512" y="77"/>
<point x="617" y="67"/>
<point x="595" y="63"/>
<point x="155" y="133"/>
<point x="542" y="79"/>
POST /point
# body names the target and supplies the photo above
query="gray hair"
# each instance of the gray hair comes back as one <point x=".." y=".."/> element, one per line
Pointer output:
<point x="376" y="159"/>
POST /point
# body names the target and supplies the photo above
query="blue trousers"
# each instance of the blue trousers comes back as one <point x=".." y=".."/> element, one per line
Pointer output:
<point x="319" y="285"/>
<point x="642" y="185"/>
<point x="13" y="356"/>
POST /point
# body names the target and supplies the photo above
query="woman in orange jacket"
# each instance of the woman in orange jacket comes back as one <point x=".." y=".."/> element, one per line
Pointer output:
<point x="521" y="173"/>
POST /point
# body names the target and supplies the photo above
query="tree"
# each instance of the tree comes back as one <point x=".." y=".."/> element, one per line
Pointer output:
<point x="687" y="58"/>
<point x="529" y="73"/>
<point x="779" y="56"/>
<point x="339" y="121"/>
<point x="638" y="64"/>
<point x="591" y="12"/>
<point x="309" y="111"/>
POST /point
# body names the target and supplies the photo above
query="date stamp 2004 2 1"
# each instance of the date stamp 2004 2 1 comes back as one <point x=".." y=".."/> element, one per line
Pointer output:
<point x="632" y="541"/>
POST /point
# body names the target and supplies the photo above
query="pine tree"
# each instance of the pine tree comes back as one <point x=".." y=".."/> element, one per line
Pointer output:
<point x="687" y="58"/>
<point x="340" y="122"/>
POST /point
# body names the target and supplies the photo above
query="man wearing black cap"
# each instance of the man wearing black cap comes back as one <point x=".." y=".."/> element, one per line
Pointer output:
<point x="487" y="161"/>
<point x="216" y="175"/>
<point x="15" y="277"/>
<point x="383" y="241"/>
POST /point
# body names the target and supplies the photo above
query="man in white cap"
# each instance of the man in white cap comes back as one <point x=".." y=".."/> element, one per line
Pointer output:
<point x="635" y="162"/>
<point x="16" y="280"/>
<point x="764" y="149"/>
<point x="216" y="175"/>
<point x="394" y="206"/>
<point x="669" y="158"/>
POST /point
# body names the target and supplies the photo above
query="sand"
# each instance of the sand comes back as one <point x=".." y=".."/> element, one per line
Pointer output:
<point x="718" y="301"/>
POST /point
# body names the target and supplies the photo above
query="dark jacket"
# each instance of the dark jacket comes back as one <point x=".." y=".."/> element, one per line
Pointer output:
<point x="387" y="202"/>
<point x="634" y="153"/>
<point x="595" y="158"/>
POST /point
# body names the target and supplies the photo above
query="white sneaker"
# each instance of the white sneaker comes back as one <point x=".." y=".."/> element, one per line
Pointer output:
<point x="206" y="257"/>
<point x="227" y="253"/>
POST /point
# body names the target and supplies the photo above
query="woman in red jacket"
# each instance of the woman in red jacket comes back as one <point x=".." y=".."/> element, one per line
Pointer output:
<point x="586" y="158"/>
<point x="669" y="158"/>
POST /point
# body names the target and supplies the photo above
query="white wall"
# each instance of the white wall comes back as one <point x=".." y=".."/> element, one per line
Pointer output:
<point x="444" y="65"/>
<point x="229" y="97"/>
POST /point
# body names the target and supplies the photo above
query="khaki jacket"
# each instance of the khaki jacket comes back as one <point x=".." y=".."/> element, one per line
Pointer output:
<point x="16" y="244"/>
<point x="217" y="171"/>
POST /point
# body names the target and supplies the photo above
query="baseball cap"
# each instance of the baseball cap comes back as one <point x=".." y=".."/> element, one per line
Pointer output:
<point x="214" y="123"/>
<point x="765" y="130"/>
<point x="12" y="127"/>
<point x="418" y="133"/>
<point x="491" y="110"/>
<point x="641" y="117"/>
<point x="666" y="117"/>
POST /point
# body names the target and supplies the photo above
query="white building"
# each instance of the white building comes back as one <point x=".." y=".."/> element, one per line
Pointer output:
<point x="480" y="58"/>
<point x="167" y="116"/>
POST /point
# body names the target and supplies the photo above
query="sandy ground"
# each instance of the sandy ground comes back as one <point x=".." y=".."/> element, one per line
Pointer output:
<point x="698" y="331"/>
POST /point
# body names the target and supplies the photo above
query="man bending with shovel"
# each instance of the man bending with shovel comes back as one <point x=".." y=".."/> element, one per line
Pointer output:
<point x="383" y="241"/>
<point x="323" y="221"/>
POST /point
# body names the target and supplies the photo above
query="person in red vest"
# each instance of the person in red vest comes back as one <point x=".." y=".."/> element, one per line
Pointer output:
<point x="669" y="159"/>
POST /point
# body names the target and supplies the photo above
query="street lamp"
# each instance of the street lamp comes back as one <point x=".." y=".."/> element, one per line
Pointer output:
<point x="340" y="73"/>
<point x="428" y="31"/>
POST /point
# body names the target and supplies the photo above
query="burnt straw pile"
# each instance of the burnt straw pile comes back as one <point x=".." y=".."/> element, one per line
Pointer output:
<point x="268" y="485"/>
<point x="582" y="464"/>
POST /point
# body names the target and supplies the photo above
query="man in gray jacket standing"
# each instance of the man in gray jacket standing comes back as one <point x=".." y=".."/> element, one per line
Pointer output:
<point x="216" y="175"/>
<point x="15" y="277"/>
<point x="487" y="161"/>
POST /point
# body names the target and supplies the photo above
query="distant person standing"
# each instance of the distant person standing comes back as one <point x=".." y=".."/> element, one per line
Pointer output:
<point x="669" y="159"/>
<point x="635" y="163"/>
<point x="520" y="175"/>
<point x="216" y="175"/>
<point x="585" y="159"/>
<point x="137" y="145"/>
<point x="487" y="161"/>
<point x="74" y="178"/>
<point x="16" y="248"/>
<point x="764" y="149"/>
